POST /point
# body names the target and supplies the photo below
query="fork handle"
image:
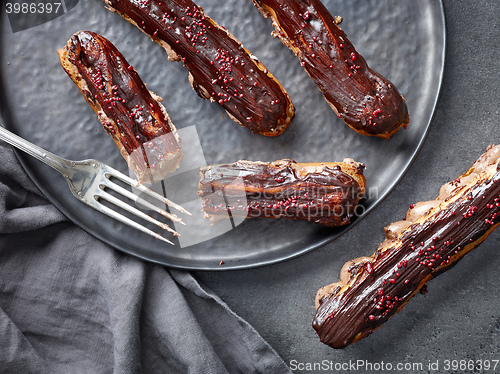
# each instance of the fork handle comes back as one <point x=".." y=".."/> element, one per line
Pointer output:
<point x="58" y="163"/>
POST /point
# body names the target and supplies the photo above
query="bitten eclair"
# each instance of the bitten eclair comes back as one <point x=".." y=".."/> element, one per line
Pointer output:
<point x="127" y="110"/>
<point x="365" y="100"/>
<point x="220" y="68"/>
<point x="323" y="193"/>
<point x="434" y="236"/>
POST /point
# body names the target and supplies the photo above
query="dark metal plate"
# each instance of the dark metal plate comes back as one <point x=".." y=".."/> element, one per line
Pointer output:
<point x="403" y="40"/>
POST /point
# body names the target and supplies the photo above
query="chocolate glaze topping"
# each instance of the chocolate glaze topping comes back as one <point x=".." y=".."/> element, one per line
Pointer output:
<point x="221" y="69"/>
<point x="327" y="196"/>
<point x="364" y="99"/>
<point x="136" y="118"/>
<point x="382" y="286"/>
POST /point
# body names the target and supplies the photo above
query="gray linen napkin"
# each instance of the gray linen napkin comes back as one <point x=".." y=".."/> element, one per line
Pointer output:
<point x="71" y="304"/>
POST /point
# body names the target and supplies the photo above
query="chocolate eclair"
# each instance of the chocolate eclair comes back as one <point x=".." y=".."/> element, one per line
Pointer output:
<point x="220" y="68"/>
<point x="364" y="99"/>
<point x="323" y="193"/>
<point x="431" y="239"/>
<point x="130" y="113"/>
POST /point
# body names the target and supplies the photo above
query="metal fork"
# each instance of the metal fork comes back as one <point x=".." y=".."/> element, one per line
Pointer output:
<point x="88" y="179"/>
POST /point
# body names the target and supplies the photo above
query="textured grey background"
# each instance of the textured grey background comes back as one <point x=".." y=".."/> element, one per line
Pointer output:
<point x="459" y="318"/>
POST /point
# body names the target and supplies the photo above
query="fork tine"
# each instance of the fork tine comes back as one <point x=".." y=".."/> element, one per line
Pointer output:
<point x="106" y="196"/>
<point x="142" y="188"/>
<point x="147" y="204"/>
<point x="113" y="214"/>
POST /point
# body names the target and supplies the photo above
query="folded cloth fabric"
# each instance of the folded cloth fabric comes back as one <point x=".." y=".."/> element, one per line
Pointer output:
<point x="71" y="304"/>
